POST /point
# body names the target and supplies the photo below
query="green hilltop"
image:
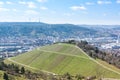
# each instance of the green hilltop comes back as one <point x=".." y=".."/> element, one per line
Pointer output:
<point x="61" y="58"/>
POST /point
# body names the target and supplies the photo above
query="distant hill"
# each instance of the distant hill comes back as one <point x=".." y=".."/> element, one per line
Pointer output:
<point x="62" y="58"/>
<point x="39" y="29"/>
<point x="34" y="29"/>
<point x="117" y="28"/>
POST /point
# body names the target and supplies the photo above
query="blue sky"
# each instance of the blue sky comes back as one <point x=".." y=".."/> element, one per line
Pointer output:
<point x="61" y="11"/>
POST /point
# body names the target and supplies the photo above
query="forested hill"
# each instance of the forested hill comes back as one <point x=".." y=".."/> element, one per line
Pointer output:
<point x="38" y="29"/>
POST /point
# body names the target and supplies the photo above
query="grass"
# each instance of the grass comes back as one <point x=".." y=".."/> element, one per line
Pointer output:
<point x="108" y="65"/>
<point x="62" y="58"/>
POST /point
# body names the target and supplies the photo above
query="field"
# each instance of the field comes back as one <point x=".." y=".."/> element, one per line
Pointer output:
<point x="62" y="58"/>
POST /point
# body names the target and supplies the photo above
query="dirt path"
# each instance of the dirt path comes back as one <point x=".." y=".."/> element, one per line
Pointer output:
<point x="30" y="66"/>
<point x="67" y="55"/>
<point x="99" y="63"/>
<point x="64" y="54"/>
<point x="84" y="58"/>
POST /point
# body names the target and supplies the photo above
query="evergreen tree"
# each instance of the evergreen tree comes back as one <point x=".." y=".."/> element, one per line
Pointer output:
<point x="22" y="70"/>
<point x="17" y="69"/>
<point x="79" y="77"/>
<point x="5" y="76"/>
<point x="68" y="76"/>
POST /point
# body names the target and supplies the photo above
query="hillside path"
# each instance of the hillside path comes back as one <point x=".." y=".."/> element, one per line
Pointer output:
<point x="63" y="54"/>
<point x="30" y="67"/>
<point x="67" y="55"/>
<point x="99" y="63"/>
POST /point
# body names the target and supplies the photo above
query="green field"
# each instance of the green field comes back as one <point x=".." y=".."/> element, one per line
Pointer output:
<point x="61" y="58"/>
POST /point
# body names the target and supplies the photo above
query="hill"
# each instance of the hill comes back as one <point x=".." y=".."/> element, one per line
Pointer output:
<point x="62" y="58"/>
<point x="37" y="29"/>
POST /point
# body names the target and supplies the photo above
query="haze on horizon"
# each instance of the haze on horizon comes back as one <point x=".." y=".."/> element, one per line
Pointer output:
<point x="61" y="11"/>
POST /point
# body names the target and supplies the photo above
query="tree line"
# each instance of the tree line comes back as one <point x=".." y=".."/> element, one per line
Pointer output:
<point x="94" y="52"/>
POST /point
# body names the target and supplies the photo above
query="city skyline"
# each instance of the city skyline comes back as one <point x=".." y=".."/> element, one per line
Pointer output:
<point x="63" y="11"/>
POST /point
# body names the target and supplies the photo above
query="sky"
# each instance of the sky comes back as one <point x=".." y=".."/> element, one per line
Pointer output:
<point x="105" y="12"/>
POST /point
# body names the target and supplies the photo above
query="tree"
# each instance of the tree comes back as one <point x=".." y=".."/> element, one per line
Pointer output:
<point x="22" y="70"/>
<point x="96" y="50"/>
<point x="72" y="42"/>
<point x="84" y="42"/>
<point x="79" y="77"/>
<point x="17" y="69"/>
<point x="68" y="76"/>
<point x="1" y="67"/>
<point x="5" y="76"/>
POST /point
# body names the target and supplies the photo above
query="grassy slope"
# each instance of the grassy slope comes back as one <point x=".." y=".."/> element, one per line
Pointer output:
<point x="62" y="58"/>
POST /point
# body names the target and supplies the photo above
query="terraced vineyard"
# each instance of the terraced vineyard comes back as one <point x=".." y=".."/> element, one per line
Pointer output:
<point x="61" y="58"/>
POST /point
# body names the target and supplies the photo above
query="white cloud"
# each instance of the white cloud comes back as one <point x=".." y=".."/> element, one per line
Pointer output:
<point x="104" y="2"/>
<point x="118" y="1"/>
<point x="89" y="3"/>
<point x="68" y="14"/>
<point x="53" y="12"/>
<point x="31" y="5"/>
<point x="43" y="8"/>
<point x="15" y="10"/>
<point x="78" y="8"/>
<point x="8" y="2"/>
<point x="1" y="3"/>
<point x="4" y="9"/>
<point x="33" y="12"/>
<point x="42" y="0"/>
<point x="100" y="2"/>
<point x="22" y="2"/>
